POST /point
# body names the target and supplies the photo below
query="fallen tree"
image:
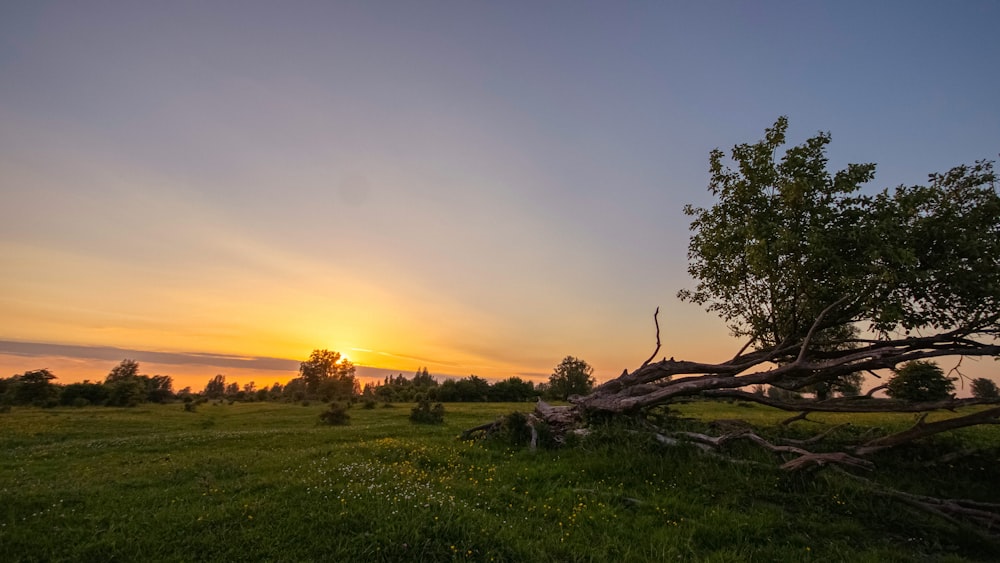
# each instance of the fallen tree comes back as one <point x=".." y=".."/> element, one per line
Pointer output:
<point x="825" y="283"/>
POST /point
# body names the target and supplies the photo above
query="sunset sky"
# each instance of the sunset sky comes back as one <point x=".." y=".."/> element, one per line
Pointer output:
<point x="475" y="187"/>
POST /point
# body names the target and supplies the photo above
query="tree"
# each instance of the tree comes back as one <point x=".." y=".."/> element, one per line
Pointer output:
<point x="983" y="388"/>
<point x="126" y="388"/>
<point x="160" y="389"/>
<point x="512" y="389"/>
<point x="788" y="239"/>
<point x="82" y="394"/>
<point x="424" y="379"/>
<point x="216" y="387"/>
<point x="34" y="387"/>
<point x="823" y="281"/>
<point x="572" y="376"/>
<point x="920" y="381"/>
<point x="331" y="371"/>
<point x="127" y="369"/>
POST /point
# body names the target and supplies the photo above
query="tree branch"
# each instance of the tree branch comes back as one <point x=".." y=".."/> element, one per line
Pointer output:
<point x="657" y="323"/>
<point x="922" y="430"/>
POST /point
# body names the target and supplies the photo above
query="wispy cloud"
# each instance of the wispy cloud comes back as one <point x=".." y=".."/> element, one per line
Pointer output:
<point x="38" y="349"/>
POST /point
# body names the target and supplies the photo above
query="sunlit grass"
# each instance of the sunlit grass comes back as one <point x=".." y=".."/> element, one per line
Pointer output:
<point x="264" y="481"/>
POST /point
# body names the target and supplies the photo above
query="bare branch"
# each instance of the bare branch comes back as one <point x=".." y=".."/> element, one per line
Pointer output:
<point x="817" y="437"/>
<point x="922" y="430"/>
<point x="846" y="404"/>
<point x="743" y="349"/>
<point x="657" y="323"/>
<point x="874" y="389"/>
<point x="814" y="327"/>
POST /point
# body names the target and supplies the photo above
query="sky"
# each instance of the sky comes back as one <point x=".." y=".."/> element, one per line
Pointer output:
<point x="475" y="187"/>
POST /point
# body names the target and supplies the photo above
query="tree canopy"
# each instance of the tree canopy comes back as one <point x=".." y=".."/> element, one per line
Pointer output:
<point x="329" y="374"/>
<point x="572" y="376"/>
<point x="920" y="381"/>
<point x="787" y="239"/>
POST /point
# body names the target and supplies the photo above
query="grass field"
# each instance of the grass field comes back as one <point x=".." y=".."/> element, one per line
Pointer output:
<point x="265" y="481"/>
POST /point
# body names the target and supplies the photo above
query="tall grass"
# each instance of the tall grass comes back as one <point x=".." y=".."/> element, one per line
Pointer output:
<point x="264" y="481"/>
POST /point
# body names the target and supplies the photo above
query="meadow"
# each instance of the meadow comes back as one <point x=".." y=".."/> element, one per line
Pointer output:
<point x="266" y="481"/>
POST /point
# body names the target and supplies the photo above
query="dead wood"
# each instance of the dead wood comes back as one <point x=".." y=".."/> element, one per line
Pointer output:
<point x="922" y="430"/>
<point x="817" y="437"/>
<point x="981" y="518"/>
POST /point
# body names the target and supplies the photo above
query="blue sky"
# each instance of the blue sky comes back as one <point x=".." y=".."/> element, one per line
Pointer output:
<point x="477" y="187"/>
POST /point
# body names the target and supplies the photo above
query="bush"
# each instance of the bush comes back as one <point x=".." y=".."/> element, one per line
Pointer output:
<point x="369" y="403"/>
<point x="920" y="381"/>
<point x="514" y="430"/>
<point x="983" y="388"/>
<point x="336" y="415"/>
<point x="190" y="406"/>
<point x="424" y="413"/>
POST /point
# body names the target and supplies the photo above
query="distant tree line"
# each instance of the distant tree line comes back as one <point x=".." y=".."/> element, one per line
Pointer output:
<point x="471" y="389"/>
<point x="124" y="386"/>
<point x="326" y="376"/>
<point x="329" y="377"/>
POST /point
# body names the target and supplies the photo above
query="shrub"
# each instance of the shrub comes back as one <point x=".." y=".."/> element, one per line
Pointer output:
<point x="920" y="381"/>
<point x="369" y="403"/>
<point x="514" y="430"/>
<point x="983" y="388"/>
<point x="336" y="415"/>
<point x="424" y="413"/>
<point x="190" y="406"/>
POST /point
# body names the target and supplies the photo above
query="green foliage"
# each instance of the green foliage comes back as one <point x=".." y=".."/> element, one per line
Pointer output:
<point x="216" y="387"/>
<point x="127" y="369"/>
<point x="33" y="388"/>
<point x="471" y="389"/>
<point x="397" y="388"/>
<point x="424" y="413"/>
<point x="786" y="239"/>
<point x="127" y="388"/>
<point x="512" y="390"/>
<point x="572" y="376"/>
<point x="983" y="388"/>
<point x="920" y="381"/>
<point x="335" y="415"/>
<point x="92" y="393"/>
<point x="127" y="392"/>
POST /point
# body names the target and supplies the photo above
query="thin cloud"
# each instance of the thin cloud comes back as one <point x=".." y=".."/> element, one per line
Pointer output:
<point x="39" y="349"/>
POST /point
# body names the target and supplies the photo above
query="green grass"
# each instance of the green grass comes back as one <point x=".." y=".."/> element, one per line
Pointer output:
<point x="264" y="481"/>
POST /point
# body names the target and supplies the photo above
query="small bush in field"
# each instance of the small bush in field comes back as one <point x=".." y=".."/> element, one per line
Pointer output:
<point x="514" y="430"/>
<point x="369" y="403"/>
<point x="424" y="413"/>
<point x="336" y="415"/>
